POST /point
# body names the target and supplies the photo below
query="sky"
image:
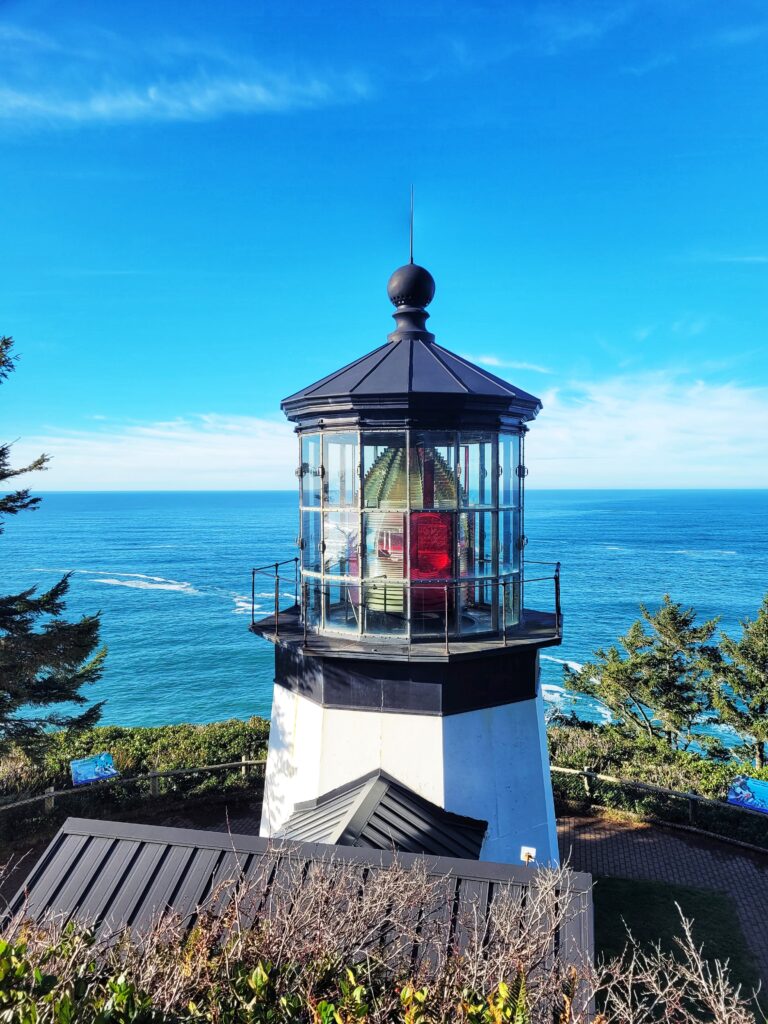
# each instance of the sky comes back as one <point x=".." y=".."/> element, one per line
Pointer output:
<point x="200" y="205"/>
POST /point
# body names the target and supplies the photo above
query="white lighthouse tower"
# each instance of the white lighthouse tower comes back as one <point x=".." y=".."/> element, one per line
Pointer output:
<point x="409" y="664"/>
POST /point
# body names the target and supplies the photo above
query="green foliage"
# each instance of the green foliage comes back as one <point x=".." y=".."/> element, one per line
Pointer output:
<point x="44" y="660"/>
<point x="72" y="983"/>
<point x="613" y="750"/>
<point x="739" y="688"/>
<point x="136" y="751"/>
<point x="653" y="679"/>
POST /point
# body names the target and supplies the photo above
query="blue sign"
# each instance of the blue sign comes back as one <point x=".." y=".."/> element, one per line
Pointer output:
<point x="751" y="793"/>
<point x="92" y="769"/>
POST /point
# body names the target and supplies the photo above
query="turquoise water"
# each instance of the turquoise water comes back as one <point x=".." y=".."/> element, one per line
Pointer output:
<point x="170" y="573"/>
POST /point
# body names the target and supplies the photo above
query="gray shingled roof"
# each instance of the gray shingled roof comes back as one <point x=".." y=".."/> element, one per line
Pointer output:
<point x="378" y="811"/>
<point x="111" y="875"/>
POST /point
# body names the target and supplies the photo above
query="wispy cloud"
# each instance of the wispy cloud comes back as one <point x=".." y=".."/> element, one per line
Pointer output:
<point x="495" y="362"/>
<point x="756" y="259"/>
<point x="207" y="452"/>
<point x="561" y="25"/>
<point x="171" y="80"/>
<point x="635" y="430"/>
<point x="690" y="325"/>
<point x="194" y="100"/>
<point x="650" y="430"/>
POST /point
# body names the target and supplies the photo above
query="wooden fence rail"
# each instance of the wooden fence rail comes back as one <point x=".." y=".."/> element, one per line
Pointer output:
<point x="692" y="798"/>
<point x="49" y="796"/>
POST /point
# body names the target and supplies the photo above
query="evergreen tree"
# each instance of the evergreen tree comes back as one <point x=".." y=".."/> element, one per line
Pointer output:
<point x="677" y="663"/>
<point x="655" y="680"/>
<point x="44" y="660"/>
<point x="618" y="679"/>
<point x="740" y="683"/>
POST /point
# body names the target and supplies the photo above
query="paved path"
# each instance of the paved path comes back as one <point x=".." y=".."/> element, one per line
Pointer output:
<point x="628" y="849"/>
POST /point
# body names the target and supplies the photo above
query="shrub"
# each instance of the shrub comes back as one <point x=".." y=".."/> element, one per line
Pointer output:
<point x="329" y="951"/>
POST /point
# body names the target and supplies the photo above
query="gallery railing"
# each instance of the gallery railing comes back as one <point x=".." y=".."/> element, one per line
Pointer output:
<point x="426" y="610"/>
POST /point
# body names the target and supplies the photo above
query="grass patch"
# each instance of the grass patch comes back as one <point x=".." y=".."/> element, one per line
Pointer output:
<point x="648" y="910"/>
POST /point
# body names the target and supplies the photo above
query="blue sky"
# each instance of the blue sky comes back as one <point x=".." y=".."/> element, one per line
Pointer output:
<point x="201" y="204"/>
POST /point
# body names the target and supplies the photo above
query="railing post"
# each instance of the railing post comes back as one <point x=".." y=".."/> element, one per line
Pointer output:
<point x="49" y="800"/>
<point x="154" y="784"/>
<point x="691" y="810"/>
<point x="244" y="768"/>
<point x="296" y="582"/>
<point x="504" y="611"/>
<point x="253" y="596"/>
<point x="305" y="601"/>
<point x="277" y="603"/>
<point x="445" y="589"/>
<point x="557" y="597"/>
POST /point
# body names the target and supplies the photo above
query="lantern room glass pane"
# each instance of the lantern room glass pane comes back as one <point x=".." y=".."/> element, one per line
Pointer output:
<point x="383" y="468"/>
<point x="340" y="480"/>
<point x="342" y="611"/>
<point x="431" y="603"/>
<point x="475" y="470"/>
<point x="509" y="537"/>
<point x="311" y="555"/>
<point x="433" y="470"/>
<point x="476" y="543"/>
<point x="384" y="608"/>
<point x="478" y="607"/>
<point x="509" y="460"/>
<point x="313" y="606"/>
<point x="384" y="545"/>
<point x="341" y="544"/>
<point x="431" y="546"/>
<point x="311" y="471"/>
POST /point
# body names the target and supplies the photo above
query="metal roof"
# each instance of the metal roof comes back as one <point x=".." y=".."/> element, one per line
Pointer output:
<point x="112" y="875"/>
<point x="413" y="374"/>
<point x="379" y="812"/>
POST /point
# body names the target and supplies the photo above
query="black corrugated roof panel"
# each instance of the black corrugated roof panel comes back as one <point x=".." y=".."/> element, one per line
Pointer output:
<point x="380" y="812"/>
<point x="112" y="875"/>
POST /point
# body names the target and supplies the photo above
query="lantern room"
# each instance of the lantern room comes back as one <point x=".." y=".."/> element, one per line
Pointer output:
<point x="411" y="472"/>
<point x="411" y="533"/>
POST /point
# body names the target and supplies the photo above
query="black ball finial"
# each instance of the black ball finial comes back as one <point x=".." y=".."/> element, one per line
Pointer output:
<point x="411" y="285"/>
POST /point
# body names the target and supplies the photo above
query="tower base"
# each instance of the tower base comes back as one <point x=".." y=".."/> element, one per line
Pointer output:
<point x="490" y="763"/>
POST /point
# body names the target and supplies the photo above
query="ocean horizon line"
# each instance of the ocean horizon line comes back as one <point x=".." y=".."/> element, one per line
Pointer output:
<point x="286" y="490"/>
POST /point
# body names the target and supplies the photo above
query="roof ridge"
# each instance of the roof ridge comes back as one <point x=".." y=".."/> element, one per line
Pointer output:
<point x="479" y="369"/>
<point x="447" y="368"/>
<point x="388" y="347"/>
<point x="311" y="388"/>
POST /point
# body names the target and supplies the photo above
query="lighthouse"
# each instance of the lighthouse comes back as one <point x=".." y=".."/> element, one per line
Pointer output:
<point x="407" y="688"/>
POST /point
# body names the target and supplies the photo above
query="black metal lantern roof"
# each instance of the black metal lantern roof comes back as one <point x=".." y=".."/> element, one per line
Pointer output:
<point x="411" y="378"/>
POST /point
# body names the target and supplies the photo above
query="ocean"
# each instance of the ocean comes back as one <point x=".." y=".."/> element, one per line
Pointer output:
<point x="170" y="573"/>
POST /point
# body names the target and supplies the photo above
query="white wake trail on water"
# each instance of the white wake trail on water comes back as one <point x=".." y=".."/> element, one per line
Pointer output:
<point x="560" y="697"/>
<point x="146" y="584"/>
<point x="134" y="580"/>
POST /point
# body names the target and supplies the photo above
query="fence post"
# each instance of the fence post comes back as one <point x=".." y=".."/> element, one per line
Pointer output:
<point x="691" y="810"/>
<point x="154" y="784"/>
<point x="49" y="800"/>
<point x="589" y="787"/>
<point x="244" y="768"/>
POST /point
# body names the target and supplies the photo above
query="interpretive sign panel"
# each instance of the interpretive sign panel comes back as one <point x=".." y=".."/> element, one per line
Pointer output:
<point x="92" y="769"/>
<point x="751" y="793"/>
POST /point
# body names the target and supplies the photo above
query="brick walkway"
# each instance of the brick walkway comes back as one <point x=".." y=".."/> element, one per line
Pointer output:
<point x="627" y="849"/>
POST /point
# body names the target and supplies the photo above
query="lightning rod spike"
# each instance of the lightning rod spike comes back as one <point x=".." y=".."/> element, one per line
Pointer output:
<point x="411" y="234"/>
